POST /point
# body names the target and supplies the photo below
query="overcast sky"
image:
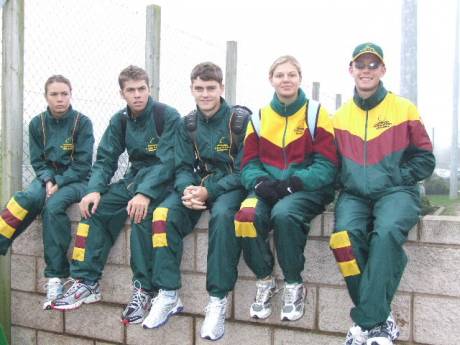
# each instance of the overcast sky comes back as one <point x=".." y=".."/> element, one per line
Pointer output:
<point x="322" y="35"/>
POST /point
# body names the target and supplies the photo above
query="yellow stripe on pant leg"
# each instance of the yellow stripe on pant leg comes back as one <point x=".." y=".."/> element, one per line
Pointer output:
<point x="159" y="240"/>
<point x="349" y="268"/>
<point x="16" y="209"/>
<point x="245" y="229"/>
<point x="83" y="229"/>
<point x="249" y="202"/>
<point x="78" y="254"/>
<point x="340" y="240"/>
<point x="160" y="213"/>
<point x="5" y="229"/>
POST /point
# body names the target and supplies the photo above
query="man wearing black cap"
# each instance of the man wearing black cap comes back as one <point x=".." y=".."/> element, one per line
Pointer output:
<point x="384" y="151"/>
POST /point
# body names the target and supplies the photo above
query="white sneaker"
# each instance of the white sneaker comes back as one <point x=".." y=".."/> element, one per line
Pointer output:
<point x="164" y="305"/>
<point x="262" y="307"/>
<point x="213" y="327"/>
<point x="356" y="336"/>
<point x="384" y="334"/>
<point x="293" y="302"/>
<point x="54" y="288"/>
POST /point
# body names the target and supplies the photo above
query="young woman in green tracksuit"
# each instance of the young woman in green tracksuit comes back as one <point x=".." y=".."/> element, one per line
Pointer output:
<point x="384" y="151"/>
<point x="288" y="167"/>
<point x="208" y="155"/>
<point x="61" y="149"/>
<point x="146" y="130"/>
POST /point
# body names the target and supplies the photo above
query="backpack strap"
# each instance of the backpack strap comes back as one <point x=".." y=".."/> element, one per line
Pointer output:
<point x="311" y="116"/>
<point x="158" y="116"/>
<point x="74" y="133"/>
<point x="42" y="119"/>
<point x="191" y="125"/>
<point x="238" y="121"/>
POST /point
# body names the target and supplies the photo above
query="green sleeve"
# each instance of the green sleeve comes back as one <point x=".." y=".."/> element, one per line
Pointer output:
<point x="319" y="174"/>
<point x="109" y="150"/>
<point x="155" y="181"/>
<point x="44" y="172"/>
<point x="418" y="165"/>
<point x="82" y="156"/>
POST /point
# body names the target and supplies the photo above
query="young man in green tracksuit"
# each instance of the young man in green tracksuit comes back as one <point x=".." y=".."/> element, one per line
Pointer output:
<point x="61" y="148"/>
<point x="208" y="154"/>
<point x="146" y="129"/>
<point x="384" y="151"/>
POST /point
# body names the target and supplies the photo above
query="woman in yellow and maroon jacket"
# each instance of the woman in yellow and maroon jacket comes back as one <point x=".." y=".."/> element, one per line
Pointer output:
<point x="384" y="151"/>
<point x="288" y="169"/>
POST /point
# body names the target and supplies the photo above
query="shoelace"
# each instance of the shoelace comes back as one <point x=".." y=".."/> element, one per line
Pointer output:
<point x="291" y="294"/>
<point x="264" y="292"/>
<point x="138" y="296"/>
<point x="52" y="289"/>
<point x="75" y="286"/>
<point x="214" y="307"/>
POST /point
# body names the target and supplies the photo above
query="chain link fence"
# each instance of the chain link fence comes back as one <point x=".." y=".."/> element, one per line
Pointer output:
<point x="90" y="42"/>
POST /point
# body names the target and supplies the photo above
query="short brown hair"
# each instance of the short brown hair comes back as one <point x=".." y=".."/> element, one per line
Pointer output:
<point x="207" y="71"/>
<point x="283" y="59"/>
<point x="57" y="78"/>
<point x="132" y="73"/>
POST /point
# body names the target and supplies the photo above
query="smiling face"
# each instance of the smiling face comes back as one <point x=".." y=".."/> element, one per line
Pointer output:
<point x="136" y="94"/>
<point x="367" y="70"/>
<point x="58" y="98"/>
<point x="207" y="94"/>
<point x="286" y="81"/>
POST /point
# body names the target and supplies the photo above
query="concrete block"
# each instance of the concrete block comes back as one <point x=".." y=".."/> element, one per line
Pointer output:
<point x="440" y="229"/>
<point x="45" y="338"/>
<point x="119" y="254"/>
<point x="73" y="212"/>
<point x="41" y="280"/>
<point x="316" y="226"/>
<point x="320" y="264"/>
<point x="23" y="272"/>
<point x="178" y="330"/>
<point x="290" y="337"/>
<point x="203" y="221"/>
<point x="103" y="343"/>
<point x="245" y="292"/>
<point x="432" y="270"/>
<point x="436" y="320"/>
<point x="328" y="223"/>
<point x="30" y="241"/>
<point x="116" y="284"/>
<point x="243" y="270"/>
<point x="194" y="294"/>
<point x="28" y="311"/>
<point x="98" y="320"/>
<point x="188" y="253"/>
<point x="237" y="334"/>
<point x="201" y="251"/>
<point x="23" y="336"/>
<point x="413" y="233"/>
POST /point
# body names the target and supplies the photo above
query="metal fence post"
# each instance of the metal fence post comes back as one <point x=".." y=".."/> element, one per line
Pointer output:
<point x="152" y="48"/>
<point x="230" y="72"/>
<point x="315" y="91"/>
<point x="12" y="123"/>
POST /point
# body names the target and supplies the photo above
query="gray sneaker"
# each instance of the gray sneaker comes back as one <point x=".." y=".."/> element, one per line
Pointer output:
<point x="53" y="290"/>
<point x="79" y="293"/>
<point x="293" y="302"/>
<point x="356" y="336"/>
<point x="262" y="306"/>
<point x="139" y="306"/>
<point x="384" y="334"/>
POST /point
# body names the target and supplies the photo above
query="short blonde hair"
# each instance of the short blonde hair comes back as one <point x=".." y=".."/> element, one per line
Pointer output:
<point x="283" y="59"/>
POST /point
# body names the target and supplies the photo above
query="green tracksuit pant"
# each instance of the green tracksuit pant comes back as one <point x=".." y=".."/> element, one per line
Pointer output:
<point x="172" y="222"/>
<point x="368" y="245"/>
<point x="96" y="236"/>
<point x="290" y="219"/>
<point x="22" y="209"/>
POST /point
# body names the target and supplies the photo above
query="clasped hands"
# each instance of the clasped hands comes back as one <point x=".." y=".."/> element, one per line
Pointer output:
<point x="195" y="197"/>
<point x="274" y="190"/>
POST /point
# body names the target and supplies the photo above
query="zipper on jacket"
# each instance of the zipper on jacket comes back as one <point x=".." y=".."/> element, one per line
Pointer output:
<point x="284" y="145"/>
<point x="365" y="153"/>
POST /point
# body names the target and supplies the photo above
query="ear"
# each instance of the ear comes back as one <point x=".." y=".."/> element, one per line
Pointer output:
<point x="122" y="95"/>
<point x="350" y="69"/>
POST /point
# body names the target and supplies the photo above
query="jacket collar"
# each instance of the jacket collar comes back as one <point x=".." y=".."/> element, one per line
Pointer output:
<point x="287" y="110"/>
<point x="372" y="101"/>
<point x="223" y="109"/>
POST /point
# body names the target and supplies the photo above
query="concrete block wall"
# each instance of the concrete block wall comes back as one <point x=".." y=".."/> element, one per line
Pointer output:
<point x="427" y="305"/>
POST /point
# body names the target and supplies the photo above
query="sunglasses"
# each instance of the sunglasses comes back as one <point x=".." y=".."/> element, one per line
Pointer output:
<point x="371" y="65"/>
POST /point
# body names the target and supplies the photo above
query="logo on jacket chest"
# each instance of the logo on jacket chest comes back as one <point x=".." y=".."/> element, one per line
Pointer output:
<point x="152" y="145"/>
<point x="67" y="145"/>
<point x="382" y="123"/>
<point x="222" y="145"/>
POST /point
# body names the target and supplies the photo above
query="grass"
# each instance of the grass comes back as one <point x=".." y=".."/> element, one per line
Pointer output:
<point x="452" y="207"/>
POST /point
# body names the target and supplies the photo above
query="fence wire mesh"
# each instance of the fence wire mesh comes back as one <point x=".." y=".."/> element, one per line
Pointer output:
<point x="90" y="42"/>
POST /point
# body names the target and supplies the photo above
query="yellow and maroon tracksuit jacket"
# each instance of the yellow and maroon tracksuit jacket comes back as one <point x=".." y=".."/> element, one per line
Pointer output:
<point x="382" y="144"/>
<point x="284" y="146"/>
